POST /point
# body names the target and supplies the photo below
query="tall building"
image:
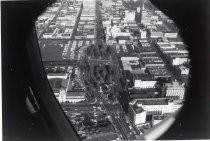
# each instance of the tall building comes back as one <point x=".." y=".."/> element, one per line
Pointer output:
<point x="62" y="95"/>
<point x="138" y="9"/>
<point x="137" y="114"/>
<point x="130" y="15"/>
<point x="174" y="90"/>
<point x="143" y="34"/>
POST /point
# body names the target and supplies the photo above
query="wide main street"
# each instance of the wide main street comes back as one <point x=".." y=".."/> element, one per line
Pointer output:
<point x="121" y="127"/>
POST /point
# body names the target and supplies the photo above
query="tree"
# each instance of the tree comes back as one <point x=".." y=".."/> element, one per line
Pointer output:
<point x="87" y="120"/>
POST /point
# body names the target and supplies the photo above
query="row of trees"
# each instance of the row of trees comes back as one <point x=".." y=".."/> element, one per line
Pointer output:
<point x="95" y="75"/>
<point x="99" y="50"/>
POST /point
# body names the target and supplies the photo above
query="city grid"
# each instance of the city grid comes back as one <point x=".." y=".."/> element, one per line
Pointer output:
<point x="117" y="67"/>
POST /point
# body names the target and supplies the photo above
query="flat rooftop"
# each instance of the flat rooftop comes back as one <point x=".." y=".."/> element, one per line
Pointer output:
<point x="153" y="55"/>
<point x="151" y="101"/>
<point x="57" y="74"/>
<point x="158" y="71"/>
<point x="159" y="117"/>
<point x="75" y="94"/>
<point x="57" y="83"/>
<point x="143" y="77"/>
<point x="137" y="109"/>
<point x="153" y="61"/>
<point x="145" y="50"/>
<point x="178" y="39"/>
<point x="181" y="55"/>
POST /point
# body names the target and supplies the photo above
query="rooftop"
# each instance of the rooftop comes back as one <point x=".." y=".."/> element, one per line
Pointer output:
<point x="174" y="84"/>
<point x="137" y="109"/>
<point x="181" y="55"/>
<point x="145" y="44"/>
<point x="178" y="39"/>
<point x="153" y="61"/>
<point x="123" y="37"/>
<point x="158" y="117"/>
<point x="143" y="77"/>
<point x="105" y="137"/>
<point x="75" y="94"/>
<point x="138" y="71"/>
<point x="158" y="71"/>
<point x="153" y="55"/>
<point x="150" y="101"/>
<point x="57" y="74"/>
<point x="148" y="49"/>
<point x="143" y="91"/>
<point x="178" y="47"/>
<point x="162" y="28"/>
<point x="57" y="83"/>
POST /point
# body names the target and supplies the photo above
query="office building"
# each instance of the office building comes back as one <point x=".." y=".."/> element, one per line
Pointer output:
<point x="143" y="34"/>
<point x="137" y="114"/>
<point x="157" y="119"/>
<point x="157" y="106"/>
<point x="174" y="90"/>
<point x="129" y="16"/>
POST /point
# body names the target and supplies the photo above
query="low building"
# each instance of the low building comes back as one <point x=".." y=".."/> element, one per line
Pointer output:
<point x="159" y="72"/>
<point x="157" y="119"/>
<point x="75" y="96"/>
<point x="147" y="50"/>
<point x="183" y="70"/>
<point x="170" y="34"/>
<point x="143" y="81"/>
<point x="59" y="87"/>
<point x="176" y="41"/>
<point x="141" y="84"/>
<point x="123" y="39"/>
<point x="165" y="45"/>
<point x="178" y="59"/>
<point x="128" y="62"/>
<point x="157" y="106"/>
<point x="156" y="34"/>
<point x="149" y="56"/>
<point x="144" y="93"/>
<point x="155" y="62"/>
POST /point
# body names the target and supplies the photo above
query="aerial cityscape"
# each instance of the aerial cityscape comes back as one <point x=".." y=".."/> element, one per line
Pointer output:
<point x="117" y="67"/>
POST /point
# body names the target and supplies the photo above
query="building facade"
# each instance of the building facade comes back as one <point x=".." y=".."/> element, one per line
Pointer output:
<point x="174" y="90"/>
